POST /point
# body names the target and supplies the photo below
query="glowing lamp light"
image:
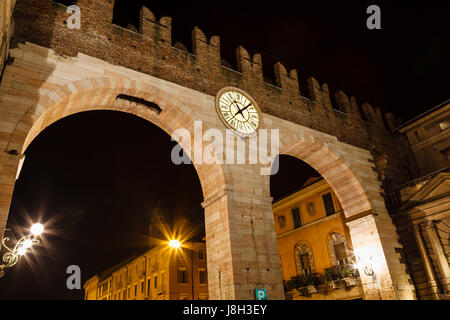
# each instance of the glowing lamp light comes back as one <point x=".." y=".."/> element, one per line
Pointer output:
<point x="37" y="229"/>
<point x="174" y="244"/>
<point x="27" y="244"/>
<point x="21" y="251"/>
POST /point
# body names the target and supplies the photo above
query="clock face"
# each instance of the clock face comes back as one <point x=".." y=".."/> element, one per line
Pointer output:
<point x="238" y="111"/>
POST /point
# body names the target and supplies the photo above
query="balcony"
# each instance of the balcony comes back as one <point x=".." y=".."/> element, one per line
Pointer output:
<point x="335" y="278"/>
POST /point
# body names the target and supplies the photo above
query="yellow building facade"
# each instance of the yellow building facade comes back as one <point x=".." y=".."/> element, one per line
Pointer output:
<point x="315" y="246"/>
<point x="158" y="274"/>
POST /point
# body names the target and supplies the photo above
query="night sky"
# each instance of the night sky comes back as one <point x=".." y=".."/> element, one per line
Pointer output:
<point x="95" y="182"/>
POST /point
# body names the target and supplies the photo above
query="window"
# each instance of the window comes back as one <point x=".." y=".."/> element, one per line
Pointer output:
<point x="304" y="263"/>
<point x="341" y="255"/>
<point x="123" y="295"/>
<point x="148" y="286"/>
<point x="162" y="281"/>
<point x="296" y="217"/>
<point x="155" y="282"/>
<point x="129" y="292"/>
<point x="142" y="286"/>
<point x="182" y="275"/>
<point x="303" y="259"/>
<point x="339" y="250"/>
<point x="281" y="221"/>
<point x="201" y="256"/>
<point x="135" y="289"/>
<point x="202" y="276"/>
<point x="328" y="203"/>
<point x="445" y="124"/>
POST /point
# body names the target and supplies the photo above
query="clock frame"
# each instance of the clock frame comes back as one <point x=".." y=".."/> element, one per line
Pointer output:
<point x="246" y="97"/>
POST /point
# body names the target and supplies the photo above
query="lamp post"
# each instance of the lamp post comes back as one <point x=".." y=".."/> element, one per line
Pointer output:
<point x="369" y="271"/>
<point x="26" y="242"/>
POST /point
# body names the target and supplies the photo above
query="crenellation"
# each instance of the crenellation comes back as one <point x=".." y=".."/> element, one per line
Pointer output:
<point x="314" y="89"/>
<point x="288" y="82"/>
<point x="368" y="112"/>
<point x="326" y="97"/>
<point x="354" y="109"/>
<point x="206" y="51"/>
<point x="379" y="117"/>
<point x="342" y="102"/>
<point x="251" y="67"/>
<point x="391" y="121"/>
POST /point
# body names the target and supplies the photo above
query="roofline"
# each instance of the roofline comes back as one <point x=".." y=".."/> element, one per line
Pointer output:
<point x="311" y="186"/>
<point x="407" y="123"/>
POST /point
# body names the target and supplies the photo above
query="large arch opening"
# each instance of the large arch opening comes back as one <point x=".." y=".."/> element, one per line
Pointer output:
<point x="148" y="103"/>
<point x="106" y="196"/>
<point x="313" y="240"/>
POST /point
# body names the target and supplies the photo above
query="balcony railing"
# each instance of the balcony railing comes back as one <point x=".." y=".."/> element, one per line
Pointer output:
<point x="336" y="277"/>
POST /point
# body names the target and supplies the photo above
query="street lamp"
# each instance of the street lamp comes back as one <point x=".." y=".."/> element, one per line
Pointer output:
<point x="21" y="248"/>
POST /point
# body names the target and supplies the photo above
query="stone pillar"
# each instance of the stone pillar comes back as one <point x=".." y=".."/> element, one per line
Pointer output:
<point x="241" y="246"/>
<point x="374" y="241"/>
<point x="440" y="256"/>
<point x="9" y="164"/>
<point x="432" y="285"/>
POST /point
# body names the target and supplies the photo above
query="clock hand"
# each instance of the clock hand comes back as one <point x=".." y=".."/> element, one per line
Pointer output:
<point x="241" y="110"/>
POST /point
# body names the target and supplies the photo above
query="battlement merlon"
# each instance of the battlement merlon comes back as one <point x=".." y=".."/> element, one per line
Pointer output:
<point x="150" y="28"/>
<point x="155" y="35"/>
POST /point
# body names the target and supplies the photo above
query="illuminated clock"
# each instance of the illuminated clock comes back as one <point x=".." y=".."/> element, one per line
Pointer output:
<point x="238" y="110"/>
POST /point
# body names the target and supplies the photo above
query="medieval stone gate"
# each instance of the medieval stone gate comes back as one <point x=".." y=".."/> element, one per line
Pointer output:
<point x="54" y="72"/>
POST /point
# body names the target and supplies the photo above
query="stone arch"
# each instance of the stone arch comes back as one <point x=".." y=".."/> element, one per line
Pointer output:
<point x="101" y="94"/>
<point x="326" y="158"/>
<point x="351" y="174"/>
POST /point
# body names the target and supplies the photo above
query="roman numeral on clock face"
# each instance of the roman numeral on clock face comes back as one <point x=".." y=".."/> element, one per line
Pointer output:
<point x="238" y="112"/>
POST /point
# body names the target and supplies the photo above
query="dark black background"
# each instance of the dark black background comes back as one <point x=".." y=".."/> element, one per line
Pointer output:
<point x="95" y="181"/>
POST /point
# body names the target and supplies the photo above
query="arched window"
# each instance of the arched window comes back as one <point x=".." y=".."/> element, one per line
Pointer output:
<point x="303" y="259"/>
<point x="281" y="221"/>
<point x="339" y="249"/>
